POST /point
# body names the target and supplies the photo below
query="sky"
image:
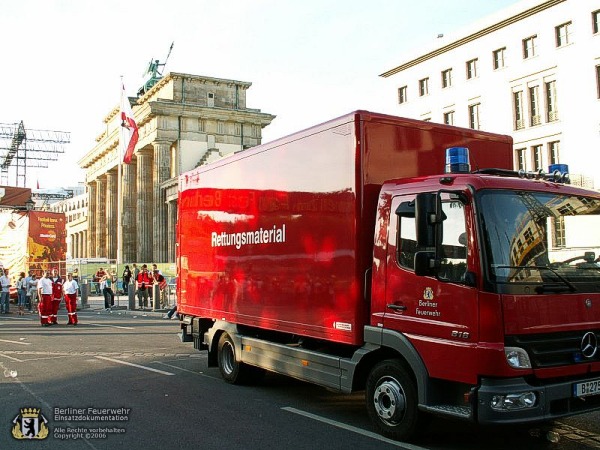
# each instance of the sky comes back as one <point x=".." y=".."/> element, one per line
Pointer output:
<point x="308" y="61"/>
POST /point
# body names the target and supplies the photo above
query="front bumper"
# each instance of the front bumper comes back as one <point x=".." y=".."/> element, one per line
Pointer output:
<point x="553" y="401"/>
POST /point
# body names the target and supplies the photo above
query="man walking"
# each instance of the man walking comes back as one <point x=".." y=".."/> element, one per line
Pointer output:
<point x="45" y="296"/>
<point x="70" y="288"/>
<point x="57" y="293"/>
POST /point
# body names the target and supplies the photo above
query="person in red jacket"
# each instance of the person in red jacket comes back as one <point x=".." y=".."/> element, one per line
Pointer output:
<point x="162" y="285"/>
<point x="57" y="293"/>
<point x="143" y="284"/>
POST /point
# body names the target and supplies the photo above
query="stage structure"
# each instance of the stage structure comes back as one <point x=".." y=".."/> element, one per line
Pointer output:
<point x="22" y="148"/>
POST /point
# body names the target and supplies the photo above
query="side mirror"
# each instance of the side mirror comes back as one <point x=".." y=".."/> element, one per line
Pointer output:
<point x="424" y="263"/>
<point x="428" y="220"/>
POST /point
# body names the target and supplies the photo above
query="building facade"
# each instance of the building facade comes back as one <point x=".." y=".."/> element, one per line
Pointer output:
<point x="531" y="71"/>
<point x="75" y="210"/>
<point x="184" y="121"/>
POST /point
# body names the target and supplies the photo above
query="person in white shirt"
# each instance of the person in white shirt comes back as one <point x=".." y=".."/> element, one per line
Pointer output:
<point x="45" y="296"/>
<point x="5" y="291"/>
<point x="32" y="282"/>
<point x="70" y="288"/>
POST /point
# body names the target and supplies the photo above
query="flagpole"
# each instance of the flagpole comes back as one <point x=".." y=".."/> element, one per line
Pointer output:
<point x="119" y="196"/>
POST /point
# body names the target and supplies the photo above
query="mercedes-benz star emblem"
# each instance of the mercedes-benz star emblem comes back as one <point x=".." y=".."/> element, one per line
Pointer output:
<point x="589" y="345"/>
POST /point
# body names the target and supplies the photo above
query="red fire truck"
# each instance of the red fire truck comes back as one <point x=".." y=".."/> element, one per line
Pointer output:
<point x="361" y="255"/>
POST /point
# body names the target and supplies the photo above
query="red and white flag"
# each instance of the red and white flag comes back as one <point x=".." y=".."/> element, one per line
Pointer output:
<point x="129" y="129"/>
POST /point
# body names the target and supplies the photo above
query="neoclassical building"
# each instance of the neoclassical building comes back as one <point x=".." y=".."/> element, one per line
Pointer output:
<point x="75" y="210"/>
<point x="184" y="121"/>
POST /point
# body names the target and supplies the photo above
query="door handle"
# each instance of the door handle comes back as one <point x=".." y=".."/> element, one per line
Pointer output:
<point x="397" y="307"/>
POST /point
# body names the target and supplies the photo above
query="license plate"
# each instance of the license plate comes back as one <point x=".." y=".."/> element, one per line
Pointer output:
<point x="586" y="388"/>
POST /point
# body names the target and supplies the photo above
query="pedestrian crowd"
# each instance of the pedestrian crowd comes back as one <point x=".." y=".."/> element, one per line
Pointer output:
<point x="43" y="294"/>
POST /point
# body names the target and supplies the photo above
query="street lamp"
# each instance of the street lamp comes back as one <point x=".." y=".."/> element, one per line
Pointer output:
<point x="29" y="205"/>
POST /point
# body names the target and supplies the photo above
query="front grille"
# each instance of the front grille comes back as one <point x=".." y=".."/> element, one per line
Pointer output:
<point x="555" y="349"/>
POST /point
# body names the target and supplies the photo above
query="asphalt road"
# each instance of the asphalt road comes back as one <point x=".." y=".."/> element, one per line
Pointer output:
<point x="124" y="380"/>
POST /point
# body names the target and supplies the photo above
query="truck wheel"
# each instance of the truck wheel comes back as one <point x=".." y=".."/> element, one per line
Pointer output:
<point x="231" y="369"/>
<point x="229" y="366"/>
<point x="392" y="400"/>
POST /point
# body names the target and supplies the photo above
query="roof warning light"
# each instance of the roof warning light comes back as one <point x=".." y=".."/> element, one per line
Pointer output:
<point x="457" y="160"/>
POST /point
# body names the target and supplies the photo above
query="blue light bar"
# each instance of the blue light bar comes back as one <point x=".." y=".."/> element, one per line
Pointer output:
<point x="457" y="160"/>
<point x="559" y="172"/>
<point x="562" y="168"/>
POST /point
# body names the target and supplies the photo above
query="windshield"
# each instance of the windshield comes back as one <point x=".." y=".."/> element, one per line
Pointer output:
<point x="534" y="237"/>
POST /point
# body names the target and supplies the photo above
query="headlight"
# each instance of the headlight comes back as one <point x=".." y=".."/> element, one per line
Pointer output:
<point x="517" y="358"/>
<point x="513" y="401"/>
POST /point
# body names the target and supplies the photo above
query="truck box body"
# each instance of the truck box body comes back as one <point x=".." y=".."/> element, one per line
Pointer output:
<point x="281" y="236"/>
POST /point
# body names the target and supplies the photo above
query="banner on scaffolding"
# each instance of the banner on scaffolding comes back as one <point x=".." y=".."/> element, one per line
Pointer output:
<point x="31" y="240"/>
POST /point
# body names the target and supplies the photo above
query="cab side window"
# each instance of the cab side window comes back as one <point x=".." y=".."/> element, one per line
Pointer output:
<point x="407" y="242"/>
<point x="454" y="244"/>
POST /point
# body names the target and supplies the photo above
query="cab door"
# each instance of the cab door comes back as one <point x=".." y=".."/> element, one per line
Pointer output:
<point x="437" y="314"/>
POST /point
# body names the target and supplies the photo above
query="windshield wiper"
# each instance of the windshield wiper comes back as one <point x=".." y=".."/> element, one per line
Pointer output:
<point x="544" y="287"/>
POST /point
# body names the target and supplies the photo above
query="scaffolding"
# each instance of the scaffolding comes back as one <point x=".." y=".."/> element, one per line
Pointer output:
<point x="22" y="148"/>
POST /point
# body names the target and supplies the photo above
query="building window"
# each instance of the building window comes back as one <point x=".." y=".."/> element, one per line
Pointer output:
<point x="518" y="110"/>
<point x="237" y="129"/>
<point x="424" y="87"/>
<point x="474" y="121"/>
<point x="558" y="232"/>
<point x="446" y="78"/>
<point x="498" y="57"/>
<point x="562" y="34"/>
<point x="529" y="47"/>
<point x="551" y="106"/>
<point x="449" y="118"/>
<point x="596" y="21"/>
<point x="471" y="69"/>
<point x="538" y="162"/>
<point x="553" y="148"/>
<point x="534" y="106"/>
<point x="220" y="127"/>
<point x="402" y="98"/>
<point x="521" y="158"/>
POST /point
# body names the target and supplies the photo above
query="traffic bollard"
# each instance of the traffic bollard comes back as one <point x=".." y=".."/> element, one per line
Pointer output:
<point x="131" y="296"/>
<point x="85" y="293"/>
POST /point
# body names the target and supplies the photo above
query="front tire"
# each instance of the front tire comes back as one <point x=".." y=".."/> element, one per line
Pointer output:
<point x="392" y="401"/>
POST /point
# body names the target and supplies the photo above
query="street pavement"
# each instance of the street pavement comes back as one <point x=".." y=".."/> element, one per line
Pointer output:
<point x="134" y="361"/>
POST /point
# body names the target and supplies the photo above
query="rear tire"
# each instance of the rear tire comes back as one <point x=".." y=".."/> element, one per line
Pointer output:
<point x="392" y="401"/>
<point x="232" y="370"/>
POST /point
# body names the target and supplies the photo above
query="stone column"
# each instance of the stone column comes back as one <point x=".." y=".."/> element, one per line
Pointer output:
<point x="143" y="233"/>
<point x="171" y="223"/>
<point x="129" y="199"/>
<point x="111" y="214"/>
<point x="74" y="245"/>
<point x="101" y="217"/>
<point x="91" y="220"/>
<point x="86" y="253"/>
<point x="161" y="173"/>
